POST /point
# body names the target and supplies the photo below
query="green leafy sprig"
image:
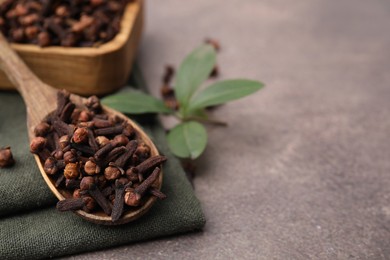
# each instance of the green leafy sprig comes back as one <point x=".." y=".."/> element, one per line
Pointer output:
<point x="188" y="139"/>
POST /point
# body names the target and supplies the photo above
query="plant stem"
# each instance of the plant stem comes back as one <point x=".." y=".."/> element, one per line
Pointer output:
<point x="206" y="120"/>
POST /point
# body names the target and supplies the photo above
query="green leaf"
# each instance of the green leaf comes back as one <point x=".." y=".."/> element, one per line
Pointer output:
<point x="199" y="113"/>
<point x="136" y="102"/>
<point x="224" y="91"/>
<point x="193" y="71"/>
<point x="188" y="140"/>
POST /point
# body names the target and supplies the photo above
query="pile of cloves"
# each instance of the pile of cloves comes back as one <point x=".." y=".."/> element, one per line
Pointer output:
<point x="76" y="23"/>
<point x="100" y="159"/>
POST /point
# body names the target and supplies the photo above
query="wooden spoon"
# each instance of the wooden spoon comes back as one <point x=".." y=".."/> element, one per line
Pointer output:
<point x="40" y="100"/>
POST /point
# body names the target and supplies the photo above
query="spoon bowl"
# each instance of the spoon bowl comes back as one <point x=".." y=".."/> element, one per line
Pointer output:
<point x="40" y="101"/>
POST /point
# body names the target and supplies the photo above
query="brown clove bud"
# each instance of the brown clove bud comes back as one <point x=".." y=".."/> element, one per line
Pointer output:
<point x="102" y="152"/>
<point x="86" y="182"/>
<point x="112" y="173"/>
<point x="37" y="144"/>
<point x="91" y="168"/>
<point x="31" y="32"/>
<point x="141" y="189"/>
<point x="90" y="203"/>
<point x="122" y="160"/>
<point x="59" y="181"/>
<point x="128" y="130"/>
<point x="102" y="141"/>
<point x="80" y="135"/>
<point x="133" y="195"/>
<point x="84" y="116"/>
<point x="84" y="22"/>
<point x="93" y="103"/>
<point x="70" y="204"/>
<point x="72" y="184"/>
<point x="64" y="141"/>
<point x="44" y="39"/>
<point x="149" y="164"/>
<point x="91" y="141"/>
<point x="62" y="10"/>
<point x="50" y="166"/>
<point x="42" y="129"/>
<point x="114" y="130"/>
<point x="28" y="19"/>
<point x="100" y="123"/>
<point x="157" y="193"/>
<point x="72" y="171"/>
<point x="142" y="153"/>
<point x="100" y="199"/>
<point x="118" y="202"/>
<point x="70" y="156"/>
<point x="76" y="194"/>
<point x="121" y="140"/>
<point x="58" y="154"/>
<point x="6" y="158"/>
<point x="131" y="198"/>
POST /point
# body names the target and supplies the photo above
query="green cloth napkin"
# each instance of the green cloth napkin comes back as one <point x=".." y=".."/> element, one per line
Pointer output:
<point x="30" y="226"/>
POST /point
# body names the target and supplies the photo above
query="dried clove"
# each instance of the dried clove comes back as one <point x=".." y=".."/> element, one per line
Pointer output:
<point x="115" y="153"/>
<point x="72" y="171"/>
<point x="157" y="193"/>
<point x="66" y="113"/>
<point x="50" y="166"/>
<point x="101" y="123"/>
<point x="80" y="135"/>
<point x="100" y="199"/>
<point x="117" y="209"/>
<point x="102" y="141"/>
<point x="147" y="165"/>
<point x="133" y="196"/>
<point x="70" y="204"/>
<point x="122" y="160"/>
<point x="141" y="189"/>
<point x="6" y="157"/>
<point x="62" y="128"/>
<point x="104" y="151"/>
<point x="42" y="129"/>
<point x="114" y="130"/>
<point x="107" y="191"/>
<point x="86" y="149"/>
<point x="59" y="181"/>
<point x="86" y="183"/>
<point x="72" y="184"/>
<point x="92" y="141"/>
<point x="91" y="168"/>
<point x="37" y="144"/>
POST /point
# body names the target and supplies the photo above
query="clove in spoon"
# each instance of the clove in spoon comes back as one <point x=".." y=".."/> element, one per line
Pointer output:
<point x="40" y="100"/>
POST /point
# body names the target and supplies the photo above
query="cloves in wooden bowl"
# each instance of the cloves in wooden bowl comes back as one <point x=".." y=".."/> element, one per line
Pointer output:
<point x="95" y="70"/>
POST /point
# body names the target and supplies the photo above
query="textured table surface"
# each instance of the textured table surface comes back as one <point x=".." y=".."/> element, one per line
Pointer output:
<point x="303" y="170"/>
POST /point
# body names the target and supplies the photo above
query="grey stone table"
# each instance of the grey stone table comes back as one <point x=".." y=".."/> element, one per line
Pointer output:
<point x="303" y="170"/>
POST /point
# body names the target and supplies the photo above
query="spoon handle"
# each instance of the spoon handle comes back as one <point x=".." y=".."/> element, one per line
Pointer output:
<point x="38" y="97"/>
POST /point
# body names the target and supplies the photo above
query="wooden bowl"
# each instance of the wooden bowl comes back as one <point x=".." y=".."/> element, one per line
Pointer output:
<point x="86" y="70"/>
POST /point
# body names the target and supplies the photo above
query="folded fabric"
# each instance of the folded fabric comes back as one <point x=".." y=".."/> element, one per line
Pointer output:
<point x="30" y="226"/>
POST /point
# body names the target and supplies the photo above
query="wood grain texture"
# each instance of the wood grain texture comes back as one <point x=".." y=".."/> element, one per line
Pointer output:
<point x="88" y="70"/>
<point x="40" y="100"/>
